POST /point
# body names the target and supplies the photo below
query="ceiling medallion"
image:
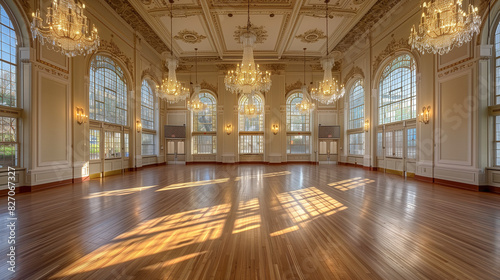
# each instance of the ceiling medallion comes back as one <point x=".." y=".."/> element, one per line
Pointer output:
<point x="258" y="31"/>
<point x="189" y="36"/>
<point x="311" y="36"/>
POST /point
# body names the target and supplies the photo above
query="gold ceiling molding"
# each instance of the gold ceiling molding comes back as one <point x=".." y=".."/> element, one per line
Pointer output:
<point x="206" y="85"/>
<point x="318" y="67"/>
<point x="391" y="49"/>
<point x="151" y="74"/>
<point x="132" y="17"/>
<point x="273" y="3"/>
<point x="376" y="12"/>
<point x="275" y="69"/>
<point x="189" y="36"/>
<point x="259" y="32"/>
<point x="311" y="36"/>
<point x="115" y="51"/>
<point x="297" y="85"/>
<point x="225" y="67"/>
<point x="318" y="11"/>
<point x="354" y="71"/>
<point x="355" y="2"/>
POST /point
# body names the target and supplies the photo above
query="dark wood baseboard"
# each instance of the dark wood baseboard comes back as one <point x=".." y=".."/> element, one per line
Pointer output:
<point x="200" y="162"/>
<point x="370" y="168"/>
<point x="82" y="179"/>
<point x="36" y="188"/>
<point x="494" y="189"/>
<point x="424" y="179"/>
<point x="461" y="185"/>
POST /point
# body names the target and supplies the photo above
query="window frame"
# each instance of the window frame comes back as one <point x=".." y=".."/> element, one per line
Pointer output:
<point x="292" y="99"/>
<point x="198" y="134"/>
<point x="243" y="100"/>
<point x="357" y="143"/>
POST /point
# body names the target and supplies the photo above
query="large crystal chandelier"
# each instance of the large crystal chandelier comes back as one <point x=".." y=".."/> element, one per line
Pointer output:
<point x="443" y="26"/>
<point x="67" y="28"/>
<point x="195" y="105"/>
<point x="305" y="105"/>
<point x="329" y="89"/>
<point x="171" y="89"/>
<point x="248" y="78"/>
<point x="250" y="109"/>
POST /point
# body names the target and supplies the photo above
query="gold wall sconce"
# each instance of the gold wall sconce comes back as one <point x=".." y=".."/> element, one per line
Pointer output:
<point x="229" y="129"/>
<point x="424" y="117"/>
<point x="138" y="125"/>
<point x="367" y="125"/>
<point x="275" y="128"/>
<point x="81" y="118"/>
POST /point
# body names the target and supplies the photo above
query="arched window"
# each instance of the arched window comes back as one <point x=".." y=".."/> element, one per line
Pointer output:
<point x="297" y="126"/>
<point x="9" y="145"/>
<point x="356" y="105"/>
<point x="204" y="135"/>
<point x="108" y="91"/>
<point x="108" y="103"/>
<point x="356" y="119"/>
<point x="148" y="135"/>
<point x="398" y="102"/>
<point x="397" y="98"/>
<point x="251" y="128"/>
<point x="496" y="100"/>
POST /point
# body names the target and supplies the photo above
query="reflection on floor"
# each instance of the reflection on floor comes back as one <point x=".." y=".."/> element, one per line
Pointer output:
<point x="256" y="222"/>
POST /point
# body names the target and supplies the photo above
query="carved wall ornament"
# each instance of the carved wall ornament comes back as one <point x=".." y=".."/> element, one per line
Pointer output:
<point x="189" y="36"/>
<point x="259" y="32"/>
<point x="132" y="17"/>
<point x="354" y="71"/>
<point x="297" y="85"/>
<point x="455" y="69"/>
<point x="274" y="68"/>
<point x="376" y="12"/>
<point x="43" y="67"/>
<point x="225" y="67"/>
<point x="115" y="51"/>
<point x="311" y="36"/>
<point x="151" y="74"/>
<point x="206" y="85"/>
<point x="391" y="49"/>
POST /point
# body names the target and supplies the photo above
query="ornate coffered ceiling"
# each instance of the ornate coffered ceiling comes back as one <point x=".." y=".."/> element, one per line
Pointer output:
<point x="283" y="27"/>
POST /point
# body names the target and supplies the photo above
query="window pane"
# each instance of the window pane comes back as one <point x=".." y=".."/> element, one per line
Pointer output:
<point x="204" y="144"/>
<point x="95" y="142"/>
<point x="388" y="144"/>
<point x="380" y="145"/>
<point x="147" y="106"/>
<point x="295" y="120"/>
<point x="357" y="144"/>
<point x="148" y="144"/>
<point x="298" y="144"/>
<point x="112" y="144"/>
<point x="126" y="144"/>
<point x="255" y="123"/>
<point x="412" y="143"/>
<point x="8" y="142"/>
<point x="8" y="65"/>
<point x="398" y="143"/>
<point x="356" y="106"/>
<point x="251" y="144"/>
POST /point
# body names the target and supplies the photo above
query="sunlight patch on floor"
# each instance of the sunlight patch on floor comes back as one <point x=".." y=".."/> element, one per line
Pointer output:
<point x="265" y="175"/>
<point x="247" y="217"/>
<point x="193" y="184"/>
<point x="350" y="184"/>
<point x="155" y="236"/>
<point x="118" y="192"/>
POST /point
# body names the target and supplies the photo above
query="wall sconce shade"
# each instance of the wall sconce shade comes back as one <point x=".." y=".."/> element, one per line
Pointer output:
<point x="80" y="115"/>
<point x="275" y="129"/>
<point x="367" y="125"/>
<point x="229" y="129"/>
<point x="138" y="125"/>
<point x="424" y="117"/>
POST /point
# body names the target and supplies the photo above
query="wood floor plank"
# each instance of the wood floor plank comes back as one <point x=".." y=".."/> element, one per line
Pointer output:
<point x="255" y="222"/>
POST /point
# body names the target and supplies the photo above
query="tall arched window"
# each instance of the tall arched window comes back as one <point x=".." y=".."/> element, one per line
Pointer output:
<point x="397" y="98"/>
<point x="297" y="126"/>
<point x="356" y="119"/>
<point x="204" y="135"/>
<point x="148" y="135"/>
<point x="251" y="128"/>
<point x="397" y="102"/>
<point x="9" y="145"/>
<point x="108" y="103"/>
<point x="496" y="100"/>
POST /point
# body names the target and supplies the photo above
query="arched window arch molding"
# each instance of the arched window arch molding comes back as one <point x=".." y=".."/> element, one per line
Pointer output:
<point x="298" y="91"/>
<point x="487" y="37"/>
<point x="214" y="94"/>
<point x="20" y="21"/>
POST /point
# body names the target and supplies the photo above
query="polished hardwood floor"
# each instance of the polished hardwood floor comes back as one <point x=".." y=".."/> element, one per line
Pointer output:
<point x="255" y="222"/>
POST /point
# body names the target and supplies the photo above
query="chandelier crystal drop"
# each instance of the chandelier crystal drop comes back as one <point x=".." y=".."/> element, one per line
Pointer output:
<point x="67" y="28"/>
<point x="305" y="105"/>
<point x="195" y="105"/>
<point x="248" y="78"/>
<point x="329" y="89"/>
<point x="171" y="89"/>
<point x="250" y="109"/>
<point x="443" y="26"/>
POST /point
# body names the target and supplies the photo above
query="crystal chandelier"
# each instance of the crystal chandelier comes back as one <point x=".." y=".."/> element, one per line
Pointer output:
<point x="67" y="28"/>
<point x="443" y="26"/>
<point x="171" y="89"/>
<point x="305" y="105"/>
<point x="195" y="105"/>
<point x="250" y="109"/>
<point x="248" y="78"/>
<point x="329" y="89"/>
